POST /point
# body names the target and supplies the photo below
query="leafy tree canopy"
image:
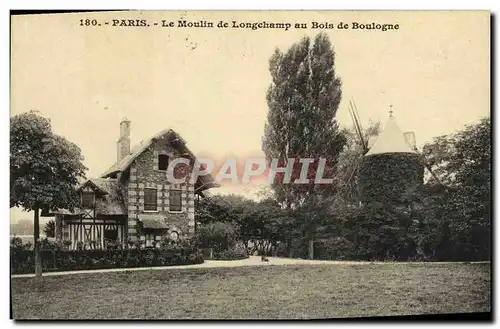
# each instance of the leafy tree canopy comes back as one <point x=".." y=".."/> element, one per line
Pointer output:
<point x="44" y="168"/>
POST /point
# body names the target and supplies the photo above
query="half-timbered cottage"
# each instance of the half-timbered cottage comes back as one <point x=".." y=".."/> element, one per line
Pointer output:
<point x="134" y="200"/>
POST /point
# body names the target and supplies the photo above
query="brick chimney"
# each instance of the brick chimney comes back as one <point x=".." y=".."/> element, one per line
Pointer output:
<point x="123" y="144"/>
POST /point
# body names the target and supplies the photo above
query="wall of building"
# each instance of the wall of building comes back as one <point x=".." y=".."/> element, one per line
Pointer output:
<point x="143" y="174"/>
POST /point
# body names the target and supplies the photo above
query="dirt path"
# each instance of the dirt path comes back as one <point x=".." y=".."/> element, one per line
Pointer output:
<point x="251" y="261"/>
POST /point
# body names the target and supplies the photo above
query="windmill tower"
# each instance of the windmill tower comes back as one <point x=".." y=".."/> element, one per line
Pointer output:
<point x="390" y="167"/>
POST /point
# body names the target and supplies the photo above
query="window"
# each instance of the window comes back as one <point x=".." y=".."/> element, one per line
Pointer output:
<point x="150" y="199"/>
<point x="175" y="200"/>
<point x="88" y="200"/>
<point x="162" y="162"/>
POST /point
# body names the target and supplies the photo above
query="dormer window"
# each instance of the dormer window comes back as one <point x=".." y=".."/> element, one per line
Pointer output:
<point x="88" y="200"/>
<point x="162" y="162"/>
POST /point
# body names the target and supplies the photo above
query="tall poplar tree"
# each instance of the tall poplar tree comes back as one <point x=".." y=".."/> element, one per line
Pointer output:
<point x="303" y="100"/>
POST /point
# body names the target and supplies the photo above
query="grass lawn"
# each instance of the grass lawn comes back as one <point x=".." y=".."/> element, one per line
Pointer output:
<point x="259" y="292"/>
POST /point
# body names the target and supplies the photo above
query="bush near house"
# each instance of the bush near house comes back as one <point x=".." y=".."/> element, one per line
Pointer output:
<point x="219" y="236"/>
<point x="222" y="239"/>
<point x="55" y="257"/>
<point x="235" y="253"/>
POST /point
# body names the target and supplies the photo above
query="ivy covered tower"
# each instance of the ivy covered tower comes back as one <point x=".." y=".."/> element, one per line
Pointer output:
<point x="391" y="171"/>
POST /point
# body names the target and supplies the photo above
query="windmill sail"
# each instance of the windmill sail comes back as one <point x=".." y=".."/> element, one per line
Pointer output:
<point x="350" y="186"/>
<point x="353" y="111"/>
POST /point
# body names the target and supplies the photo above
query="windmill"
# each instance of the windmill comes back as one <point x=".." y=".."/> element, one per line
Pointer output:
<point x="387" y="166"/>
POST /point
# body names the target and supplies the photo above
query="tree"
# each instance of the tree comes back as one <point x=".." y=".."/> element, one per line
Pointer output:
<point x="211" y="209"/>
<point x="462" y="161"/>
<point x="22" y="227"/>
<point x="44" y="171"/>
<point x="50" y="229"/>
<point x="451" y="219"/>
<point x="303" y="99"/>
<point x="217" y="235"/>
<point x="263" y="223"/>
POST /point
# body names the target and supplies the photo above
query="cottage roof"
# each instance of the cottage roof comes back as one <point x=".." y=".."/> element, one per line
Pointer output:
<point x="110" y="202"/>
<point x="203" y="182"/>
<point x="390" y="140"/>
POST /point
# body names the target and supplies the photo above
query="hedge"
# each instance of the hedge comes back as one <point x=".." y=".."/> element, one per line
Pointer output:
<point x="23" y="259"/>
<point x="229" y="255"/>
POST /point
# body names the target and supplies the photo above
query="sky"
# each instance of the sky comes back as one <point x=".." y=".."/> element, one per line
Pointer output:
<point x="209" y="85"/>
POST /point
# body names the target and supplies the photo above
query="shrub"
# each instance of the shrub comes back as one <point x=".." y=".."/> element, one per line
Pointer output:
<point x="219" y="236"/>
<point x="166" y="242"/>
<point x="231" y="254"/>
<point x="16" y="242"/>
<point x="282" y="250"/>
<point x="298" y="247"/>
<point x="56" y="258"/>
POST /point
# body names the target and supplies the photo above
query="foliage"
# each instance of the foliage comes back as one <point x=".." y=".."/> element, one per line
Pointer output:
<point x="44" y="168"/>
<point x="260" y="224"/>
<point x="212" y="209"/>
<point x="336" y="248"/>
<point x="460" y="159"/>
<point x="462" y="162"/>
<point x="390" y="178"/>
<point x="435" y="222"/>
<point x="449" y="220"/>
<point x="303" y="99"/>
<point x="349" y="160"/>
<point x="219" y="236"/>
<point x="17" y="242"/>
<point x="56" y="257"/>
<point x="50" y="229"/>
<point x="381" y="232"/>
<point x="230" y="254"/>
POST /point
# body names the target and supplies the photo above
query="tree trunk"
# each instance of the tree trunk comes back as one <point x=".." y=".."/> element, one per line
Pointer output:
<point x="38" y="258"/>
<point x="311" y="247"/>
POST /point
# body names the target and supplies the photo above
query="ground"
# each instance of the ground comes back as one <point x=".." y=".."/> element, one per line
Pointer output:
<point x="287" y="291"/>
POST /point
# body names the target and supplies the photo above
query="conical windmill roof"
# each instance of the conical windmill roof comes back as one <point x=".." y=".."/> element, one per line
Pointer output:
<point x="390" y="140"/>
